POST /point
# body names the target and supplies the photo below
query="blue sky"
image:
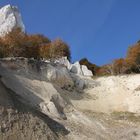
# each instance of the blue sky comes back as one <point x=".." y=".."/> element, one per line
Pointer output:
<point x="100" y="30"/>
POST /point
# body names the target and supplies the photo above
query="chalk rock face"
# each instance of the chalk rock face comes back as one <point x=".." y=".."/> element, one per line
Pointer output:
<point x="85" y="71"/>
<point x="59" y="75"/>
<point x="80" y="69"/>
<point x="49" y="108"/>
<point x="10" y="18"/>
<point x="31" y="86"/>
<point x="76" y="68"/>
<point x="64" y="61"/>
<point x="80" y="83"/>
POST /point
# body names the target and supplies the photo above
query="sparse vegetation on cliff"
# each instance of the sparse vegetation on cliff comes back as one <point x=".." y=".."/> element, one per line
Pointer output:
<point x="20" y="44"/>
<point x="127" y="65"/>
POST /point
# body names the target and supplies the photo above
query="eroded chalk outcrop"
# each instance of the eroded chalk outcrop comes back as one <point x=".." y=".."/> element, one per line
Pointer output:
<point x="10" y="18"/>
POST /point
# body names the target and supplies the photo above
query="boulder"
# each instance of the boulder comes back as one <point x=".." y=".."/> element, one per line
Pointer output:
<point x="79" y="81"/>
<point x="82" y="70"/>
<point x="76" y="68"/>
<point x="49" y="108"/>
<point x="10" y="18"/>
<point x="64" y="61"/>
<point x="85" y="71"/>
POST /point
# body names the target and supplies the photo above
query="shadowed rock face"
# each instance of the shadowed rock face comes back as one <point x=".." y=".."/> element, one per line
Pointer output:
<point x="32" y="87"/>
<point x="10" y="19"/>
<point x="20" y="121"/>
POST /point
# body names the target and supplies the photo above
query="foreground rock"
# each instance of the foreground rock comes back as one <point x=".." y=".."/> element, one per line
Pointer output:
<point x="59" y="75"/>
<point x="20" y="121"/>
<point x="31" y="85"/>
<point x="10" y="19"/>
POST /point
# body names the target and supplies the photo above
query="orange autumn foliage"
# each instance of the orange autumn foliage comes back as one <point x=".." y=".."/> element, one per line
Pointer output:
<point x="19" y="44"/>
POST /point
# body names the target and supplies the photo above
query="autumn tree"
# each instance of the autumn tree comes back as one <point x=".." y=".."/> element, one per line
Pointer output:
<point x="130" y="66"/>
<point x="3" y="52"/>
<point x="119" y="66"/>
<point x="105" y="70"/>
<point x="133" y="57"/>
<point x="17" y="43"/>
<point x="44" y="51"/>
<point x="58" y="49"/>
<point x="33" y="44"/>
<point x="13" y="43"/>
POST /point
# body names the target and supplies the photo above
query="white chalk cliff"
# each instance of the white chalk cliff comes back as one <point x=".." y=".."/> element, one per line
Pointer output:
<point x="58" y="100"/>
<point x="10" y="18"/>
<point x="75" y="68"/>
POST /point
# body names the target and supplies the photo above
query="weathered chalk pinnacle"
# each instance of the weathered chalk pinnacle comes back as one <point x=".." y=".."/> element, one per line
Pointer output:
<point x="10" y="18"/>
